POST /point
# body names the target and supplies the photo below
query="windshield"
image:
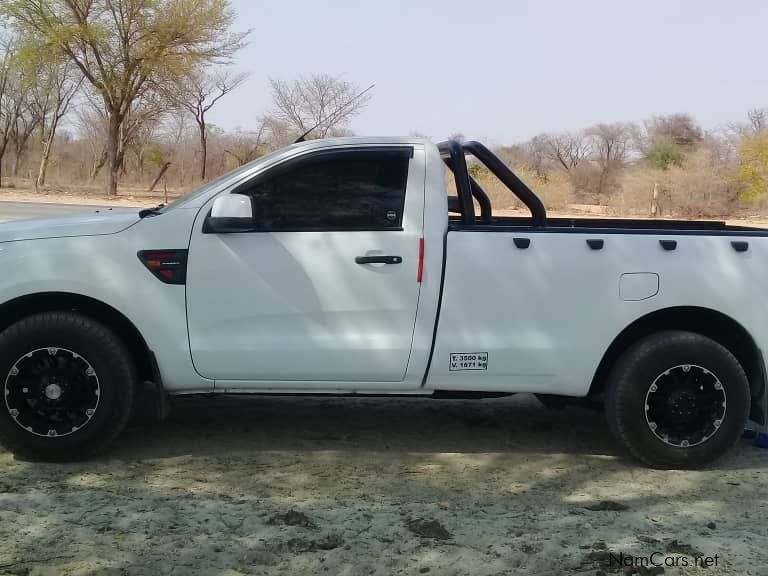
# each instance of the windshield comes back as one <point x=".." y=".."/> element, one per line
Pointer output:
<point x="205" y="188"/>
<point x="229" y="178"/>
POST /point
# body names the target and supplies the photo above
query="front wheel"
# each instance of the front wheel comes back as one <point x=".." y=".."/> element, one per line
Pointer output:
<point x="68" y="384"/>
<point x="677" y="400"/>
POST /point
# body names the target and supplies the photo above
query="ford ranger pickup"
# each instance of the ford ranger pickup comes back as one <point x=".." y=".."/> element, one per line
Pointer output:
<point x="377" y="266"/>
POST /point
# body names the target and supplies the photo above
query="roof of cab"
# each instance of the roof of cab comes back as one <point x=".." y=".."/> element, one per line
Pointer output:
<point x="357" y="141"/>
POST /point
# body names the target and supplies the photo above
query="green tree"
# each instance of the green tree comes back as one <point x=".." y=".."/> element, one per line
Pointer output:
<point x="663" y="154"/>
<point x="753" y="170"/>
<point x="127" y="48"/>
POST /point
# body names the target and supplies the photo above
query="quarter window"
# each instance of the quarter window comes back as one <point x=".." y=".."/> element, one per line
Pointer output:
<point x="345" y="190"/>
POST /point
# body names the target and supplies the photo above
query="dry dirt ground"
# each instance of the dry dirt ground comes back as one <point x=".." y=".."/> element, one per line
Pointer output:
<point x="271" y="485"/>
<point x="83" y="196"/>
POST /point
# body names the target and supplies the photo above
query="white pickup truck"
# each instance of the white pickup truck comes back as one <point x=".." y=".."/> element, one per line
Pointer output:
<point x="344" y="266"/>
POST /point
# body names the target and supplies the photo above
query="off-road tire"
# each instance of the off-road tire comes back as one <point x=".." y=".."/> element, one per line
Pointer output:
<point x="109" y="358"/>
<point x="635" y="371"/>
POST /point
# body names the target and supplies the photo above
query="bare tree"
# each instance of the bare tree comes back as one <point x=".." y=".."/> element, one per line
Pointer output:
<point x="17" y="115"/>
<point x="680" y="129"/>
<point x="91" y="128"/>
<point x="199" y="93"/>
<point x="567" y="149"/>
<point x="10" y="101"/>
<point x="758" y="119"/>
<point x="175" y="128"/>
<point x="26" y="122"/>
<point x="275" y="133"/>
<point x="611" y="148"/>
<point x="536" y="151"/>
<point x="247" y="146"/>
<point x="56" y="86"/>
<point x="321" y="101"/>
<point x="515" y="155"/>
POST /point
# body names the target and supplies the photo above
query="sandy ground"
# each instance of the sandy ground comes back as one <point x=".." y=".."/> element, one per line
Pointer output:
<point x="84" y="196"/>
<point x="271" y="485"/>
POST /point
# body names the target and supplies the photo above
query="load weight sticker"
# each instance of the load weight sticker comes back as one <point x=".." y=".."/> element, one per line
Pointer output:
<point x="469" y="361"/>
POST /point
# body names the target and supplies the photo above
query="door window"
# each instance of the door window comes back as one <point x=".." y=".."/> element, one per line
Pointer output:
<point x="344" y="190"/>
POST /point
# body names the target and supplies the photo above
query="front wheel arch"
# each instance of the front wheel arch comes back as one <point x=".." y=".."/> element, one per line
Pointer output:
<point x="21" y="307"/>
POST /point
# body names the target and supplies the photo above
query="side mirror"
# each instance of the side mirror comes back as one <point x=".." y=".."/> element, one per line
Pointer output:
<point x="229" y="213"/>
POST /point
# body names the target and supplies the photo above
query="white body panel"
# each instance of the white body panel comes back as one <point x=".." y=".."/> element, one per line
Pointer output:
<point x="546" y="314"/>
<point x="292" y="312"/>
<point x="106" y="268"/>
<point x="96" y="223"/>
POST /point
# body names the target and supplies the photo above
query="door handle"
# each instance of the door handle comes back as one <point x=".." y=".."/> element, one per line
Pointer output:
<point x="379" y="259"/>
<point x="522" y="243"/>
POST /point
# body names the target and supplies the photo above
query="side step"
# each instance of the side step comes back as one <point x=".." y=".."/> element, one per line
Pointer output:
<point x="467" y="394"/>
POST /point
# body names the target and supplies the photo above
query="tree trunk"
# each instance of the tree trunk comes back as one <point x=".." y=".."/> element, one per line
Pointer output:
<point x="98" y="164"/>
<point x="203" y="149"/>
<point x="2" y="155"/>
<point x="16" y="164"/>
<point x="45" y="156"/>
<point x="22" y="139"/>
<point x="113" y="158"/>
<point x="601" y="184"/>
<point x="140" y="162"/>
<point x="655" y="200"/>
<point x="160" y="175"/>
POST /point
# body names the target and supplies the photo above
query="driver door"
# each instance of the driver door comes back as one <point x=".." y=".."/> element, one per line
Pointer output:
<point x="324" y="288"/>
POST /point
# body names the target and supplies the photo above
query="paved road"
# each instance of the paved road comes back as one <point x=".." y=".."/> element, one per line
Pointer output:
<point x="17" y="210"/>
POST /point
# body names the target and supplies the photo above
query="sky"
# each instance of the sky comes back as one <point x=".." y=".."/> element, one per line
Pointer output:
<point x="504" y="71"/>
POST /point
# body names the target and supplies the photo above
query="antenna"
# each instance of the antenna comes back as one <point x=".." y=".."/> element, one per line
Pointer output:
<point x="334" y="115"/>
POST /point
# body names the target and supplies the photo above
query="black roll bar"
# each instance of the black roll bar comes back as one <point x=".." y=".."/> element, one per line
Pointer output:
<point x="477" y="193"/>
<point x="454" y="155"/>
<point x="486" y="211"/>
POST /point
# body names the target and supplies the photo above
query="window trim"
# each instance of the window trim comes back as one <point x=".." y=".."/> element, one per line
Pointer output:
<point x="406" y="151"/>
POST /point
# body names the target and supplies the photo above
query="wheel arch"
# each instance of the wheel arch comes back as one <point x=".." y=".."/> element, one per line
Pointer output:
<point x="710" y="323"/>
<point x="14" y="310"/>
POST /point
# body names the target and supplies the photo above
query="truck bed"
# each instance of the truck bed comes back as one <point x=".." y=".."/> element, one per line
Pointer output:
<point x="611" y="226"/>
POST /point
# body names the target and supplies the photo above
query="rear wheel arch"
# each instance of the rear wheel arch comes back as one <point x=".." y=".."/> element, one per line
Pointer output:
<point x="710" y="323"/>
<point x="18" y="308"/>
<point x="677" y="399"/>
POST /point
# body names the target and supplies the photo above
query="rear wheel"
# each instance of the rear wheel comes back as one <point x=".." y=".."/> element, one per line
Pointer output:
<point x="68" y="385"/>
<point x="677" y="400"/>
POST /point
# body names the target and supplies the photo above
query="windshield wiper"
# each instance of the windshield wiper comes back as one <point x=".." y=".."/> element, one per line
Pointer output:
<point x="154" y="211"/>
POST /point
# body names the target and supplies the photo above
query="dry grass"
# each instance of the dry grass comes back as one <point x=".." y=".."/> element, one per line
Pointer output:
<point x="555" y="191"/>
<point x="22" y="190"/>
